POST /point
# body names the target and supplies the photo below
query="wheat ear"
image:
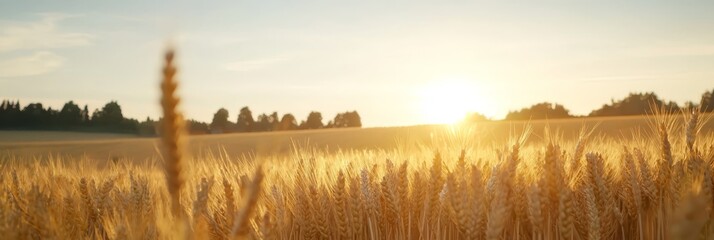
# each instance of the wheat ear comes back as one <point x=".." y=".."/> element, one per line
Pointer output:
<point x="172" y="134"/>
<point x="240" y="224"/>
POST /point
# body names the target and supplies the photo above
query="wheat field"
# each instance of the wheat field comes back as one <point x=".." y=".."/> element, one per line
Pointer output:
<point x="656" y="184"/>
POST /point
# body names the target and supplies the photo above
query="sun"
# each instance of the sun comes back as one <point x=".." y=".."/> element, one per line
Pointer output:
<point x="447" y="101"/>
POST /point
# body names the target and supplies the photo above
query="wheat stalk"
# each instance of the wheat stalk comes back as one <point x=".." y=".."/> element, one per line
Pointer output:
<point x="172" y="134"/>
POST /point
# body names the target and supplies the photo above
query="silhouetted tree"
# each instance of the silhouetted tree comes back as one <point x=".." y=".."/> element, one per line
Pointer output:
<point x="220" y="121"/>
<point x="707" y="102"/>
<point x="274" y="121"/>
<point x="148" y="127"/>
<point x="288" y="122"/>
<point x="314" y="121"/>
<point x="34" y="115"/>
<point x="346" y="119"/>
<point x="70" y="115"/>
<point x="245" y="120"/>
<point x="110" y="115"/>
<point x="543" y="110"/>
<point x="110" y="118"/>
<point x="85" y="115"/>
<point x="634" y="104"/>
<point x="4" y="106"/>
<point x="262" y="123"/>
<point x="197" y="127"/>
<point x="12" y="114"/>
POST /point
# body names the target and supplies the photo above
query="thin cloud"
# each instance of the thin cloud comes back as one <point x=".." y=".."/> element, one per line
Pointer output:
<point x="36" y="64"/>
<point x="40" y="34"/>
<point x="251" y="65"/>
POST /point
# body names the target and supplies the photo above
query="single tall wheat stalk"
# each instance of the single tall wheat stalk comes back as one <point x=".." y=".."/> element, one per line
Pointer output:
<point x="172" y="134"/>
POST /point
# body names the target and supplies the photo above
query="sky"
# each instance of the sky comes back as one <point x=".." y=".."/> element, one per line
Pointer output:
<point x="395" y="62"/>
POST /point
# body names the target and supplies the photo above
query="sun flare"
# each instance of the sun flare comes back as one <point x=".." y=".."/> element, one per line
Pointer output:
<point x="448" y="101"/>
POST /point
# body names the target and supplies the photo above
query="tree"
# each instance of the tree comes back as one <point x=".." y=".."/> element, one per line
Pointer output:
<point x="148" y="128"/>
<point x="85" y="115"/>
<point x="245" y="120"/>
<point x="70" y="115"/>
<point x="110" y="115"/>
<point x="544" y="110"/>
<point x="12" y="115"/>
<point x="288" y="122"/>
<point x="314" y="121"/>
<point x="274" y="121"/>
<point x="634" y="104"/>
<point x="196" y="127"/>
<point x="220" y="121"/>
<point x="4" y="107"/>
<point x="346" y="119"/>
<point x="707" y="102"/>
<point x="34" y="115"/>
<point x="262" y="124"/>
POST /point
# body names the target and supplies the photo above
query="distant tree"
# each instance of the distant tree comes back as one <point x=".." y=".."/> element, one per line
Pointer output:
<point x="197" y="127"/>
<point x="12" y="114"/>
<point x="148" y="127"/>
<point x="346" y="119"/>
<point x="314" y="121"/>
<point x="288" y="122"/>
<point x="4" y="106"/>
<point x="70" y="115"/>
<point x="543" y="110"/>
<point x="634" y="104"/>
<point x="110" y="118"/>
<point x="262" y="123"/>
<point x="110" y="115"/>
<point x="220" y="121"/>
<point x="245" y="120"/>
<point x="34" y="115"/>
<point x="707" y="102"/>
<point x="474" y="117"/>
<point x="85" y="115"/>
<point x="274" y="121"/>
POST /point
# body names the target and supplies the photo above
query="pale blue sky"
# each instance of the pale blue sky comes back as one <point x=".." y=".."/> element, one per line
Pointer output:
<point x="387" y="59"/>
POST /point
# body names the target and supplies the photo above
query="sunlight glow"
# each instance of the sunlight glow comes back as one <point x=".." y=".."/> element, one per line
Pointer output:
<point x="448" y="100"/>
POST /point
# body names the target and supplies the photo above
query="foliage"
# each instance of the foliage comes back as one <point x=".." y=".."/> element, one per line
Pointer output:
<point x="543" y="110"/>
<point x="220" y="121"/>
<point x="707" y="102"/>
<point x="314" y="121"/>
<point x="245" y="122"/>
<point x="35" y="116"/>
<point x="634" y="104"/>
<point x="288" y="122"/>
<point x="345" y="120"/>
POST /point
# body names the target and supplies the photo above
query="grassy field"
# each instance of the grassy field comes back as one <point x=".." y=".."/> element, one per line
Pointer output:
<point x="108" y="146"/>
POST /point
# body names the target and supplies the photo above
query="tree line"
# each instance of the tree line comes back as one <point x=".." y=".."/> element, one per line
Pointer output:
<point x="109" y="118"/>
<point x="633" y="104"/>
<point x="35" y="116"/>
<point x="273" y="122"/>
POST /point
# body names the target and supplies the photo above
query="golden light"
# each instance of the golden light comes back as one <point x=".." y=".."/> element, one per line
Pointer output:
<point x="447" y="101"/>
